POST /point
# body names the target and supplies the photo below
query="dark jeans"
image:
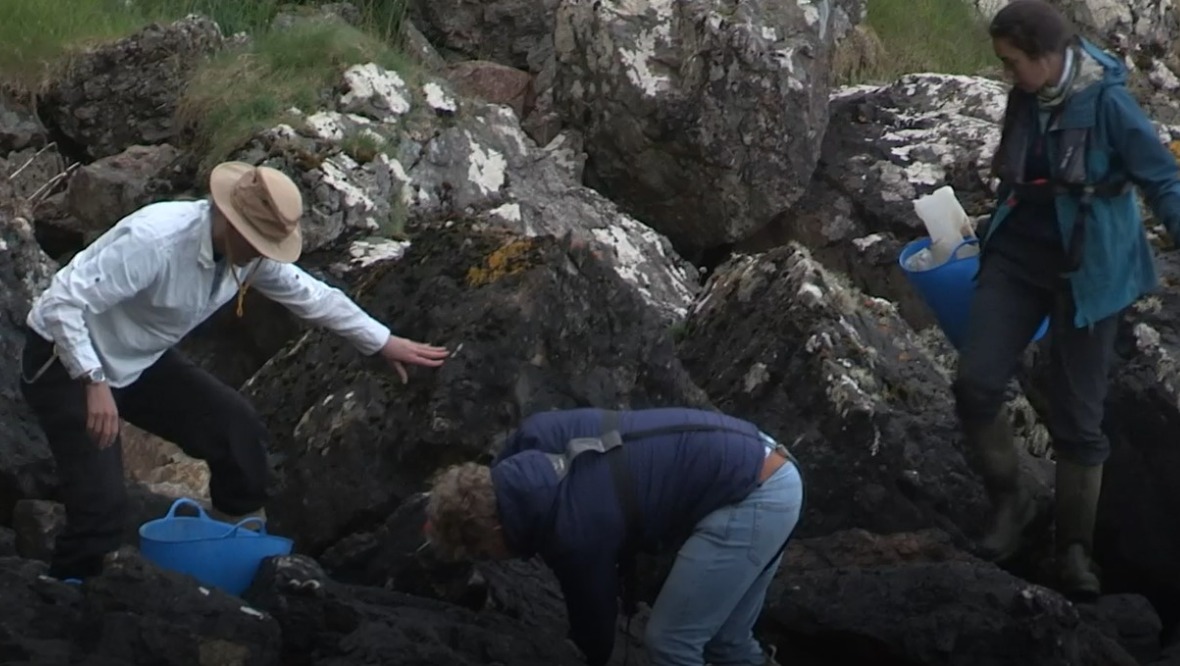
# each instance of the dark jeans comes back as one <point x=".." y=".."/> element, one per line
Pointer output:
<point x="1009" y="304"/>
<point x="173" y="399"/>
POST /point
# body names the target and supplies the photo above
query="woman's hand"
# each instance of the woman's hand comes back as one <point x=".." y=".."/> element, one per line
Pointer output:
<point x="400" y="351"/>
<point x="102" y="414"/>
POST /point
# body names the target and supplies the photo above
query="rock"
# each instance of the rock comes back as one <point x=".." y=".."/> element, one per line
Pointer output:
<point x="124" y="93"/>
<point x="886" y="146"/>
<point x="517" y="33"/>
<point x="393" y="557"/>
<point x="19" y="127"/>
<point x="704" y="118"/>
<point x="103" y="192"/>
<point x="843" y="381"/>
<point x="140" y="613"/>
<point x="37" y="524"/>
<point x="1128" y="619"/>
<point x="325" y="622"/>
<point x="534" y="323"/>
<point x="232" y="348"/>
<point x="28" y="173"/>
<point x="954" y="611"/>
<point x="133" y="613"/>
<point x="374" y="93"/>
<point x="7" y="542"/>
<point x="862" y="548"/>
<point x="162" y="467"/>
<point x="26" y="466"/>
<point x="460" y="158"/>
<point x="493" y="83"/>
<point x="419" y="48"/>
<point x="39" y="616"/>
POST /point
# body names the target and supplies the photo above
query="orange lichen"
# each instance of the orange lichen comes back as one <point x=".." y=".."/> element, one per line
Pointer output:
<point x="509" y="259"/>
<point x="1174" y="146"/>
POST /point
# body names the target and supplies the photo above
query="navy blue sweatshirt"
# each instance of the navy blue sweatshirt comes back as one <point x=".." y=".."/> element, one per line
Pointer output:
<point x="576" y="524"/>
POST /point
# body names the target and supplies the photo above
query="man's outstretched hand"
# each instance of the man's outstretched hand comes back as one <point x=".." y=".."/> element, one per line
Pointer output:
<point x="399" y="351"/>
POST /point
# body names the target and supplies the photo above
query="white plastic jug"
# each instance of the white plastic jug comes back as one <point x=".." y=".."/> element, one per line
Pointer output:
<point x="946" y="222"/>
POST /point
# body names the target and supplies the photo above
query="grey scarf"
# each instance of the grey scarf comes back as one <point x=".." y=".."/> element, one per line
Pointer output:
<point x="1051" y="96"/>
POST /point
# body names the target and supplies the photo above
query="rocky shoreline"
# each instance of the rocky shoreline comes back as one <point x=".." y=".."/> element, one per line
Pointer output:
<point x="562" y="174"/>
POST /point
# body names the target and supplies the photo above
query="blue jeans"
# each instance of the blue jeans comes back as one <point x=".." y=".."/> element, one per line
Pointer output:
<point x="715" y="591"/>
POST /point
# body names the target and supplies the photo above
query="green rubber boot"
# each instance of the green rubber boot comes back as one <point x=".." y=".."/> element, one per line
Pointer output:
<point x="1013" y="507"/>
<point x="1078" y="489"/>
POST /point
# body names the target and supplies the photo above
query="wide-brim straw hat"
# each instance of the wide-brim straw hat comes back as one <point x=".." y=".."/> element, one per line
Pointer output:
<point x="263" y="205"/>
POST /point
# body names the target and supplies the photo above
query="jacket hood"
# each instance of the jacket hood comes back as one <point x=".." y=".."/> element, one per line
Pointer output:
<point x="1109" y="69"/>
<point x="526" y="495"/>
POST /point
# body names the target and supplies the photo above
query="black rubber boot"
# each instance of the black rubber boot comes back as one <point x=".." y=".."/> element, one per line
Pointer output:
<point x="1013" y="507"/>
<point x="1076" y="506"/>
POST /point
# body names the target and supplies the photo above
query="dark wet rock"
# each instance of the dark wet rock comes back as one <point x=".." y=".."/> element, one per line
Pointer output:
<point x="134" y="613"/>
<point x="233" y="348"/>
<point x="844" y="382"/>
<point x="125" y="93"/>
<point x="536" y="323"/>
<point x="393" y="556"/>
<point x="138" y="612"/>
<point x="37" y="524"/>
<point x="26" y="467"/>
<point x="861" y="548"/>
<point x="956" y="611"/>
<point x="7" y="542"/>
<point x="703" y="119"/>
<point x="1130" y="620"/>
<point x="329" y="623"/>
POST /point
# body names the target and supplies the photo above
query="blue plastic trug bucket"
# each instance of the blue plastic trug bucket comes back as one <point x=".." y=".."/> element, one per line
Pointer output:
<point x="218" y="554"/>
<point x="948" y="288"/>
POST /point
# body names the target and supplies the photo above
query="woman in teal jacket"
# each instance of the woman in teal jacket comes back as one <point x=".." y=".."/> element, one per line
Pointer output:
<point x="1066" y="240"/>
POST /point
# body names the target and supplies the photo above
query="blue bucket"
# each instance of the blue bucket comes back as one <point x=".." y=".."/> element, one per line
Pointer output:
<point x="947" y="289"/>
<point x="221" y="555"/>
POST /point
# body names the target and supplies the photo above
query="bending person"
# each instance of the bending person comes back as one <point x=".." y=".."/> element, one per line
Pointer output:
<point x="586" y="489"/>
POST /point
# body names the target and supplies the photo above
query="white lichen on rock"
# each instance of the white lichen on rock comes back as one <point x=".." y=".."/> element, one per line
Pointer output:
<point x="375" y="92"/>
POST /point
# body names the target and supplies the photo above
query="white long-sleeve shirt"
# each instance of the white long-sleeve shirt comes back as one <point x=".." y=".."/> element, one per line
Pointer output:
<point x="136" y="291"/>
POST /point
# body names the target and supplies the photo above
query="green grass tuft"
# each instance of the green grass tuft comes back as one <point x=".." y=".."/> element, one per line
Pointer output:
<point x="947" y="36"/>
<point x="38" y="36"/>
<point x="240" y="93"/>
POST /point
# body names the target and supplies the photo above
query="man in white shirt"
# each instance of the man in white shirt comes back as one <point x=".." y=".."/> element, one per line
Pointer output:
<point x="100" y="348"/>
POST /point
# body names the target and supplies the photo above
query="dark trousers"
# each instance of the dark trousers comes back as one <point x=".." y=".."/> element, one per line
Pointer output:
<point x="1009" y="305"/>
<point x="173" y="399"/>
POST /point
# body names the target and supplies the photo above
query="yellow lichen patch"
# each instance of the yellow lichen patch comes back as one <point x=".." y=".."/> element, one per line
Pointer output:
<point x="509" y="259"/>
<point x="1175" y="148"/>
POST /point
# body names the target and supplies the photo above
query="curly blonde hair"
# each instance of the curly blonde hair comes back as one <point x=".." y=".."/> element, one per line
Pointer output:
<point x="462" y="510"/>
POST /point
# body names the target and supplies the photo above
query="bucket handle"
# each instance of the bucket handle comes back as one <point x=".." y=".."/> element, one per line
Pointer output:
<point x="183" y="501"/>
<point x="246" y="521"/>
<point x="965" y="242"/>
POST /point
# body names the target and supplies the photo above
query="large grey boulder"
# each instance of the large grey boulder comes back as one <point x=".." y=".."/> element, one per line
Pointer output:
<point x="702" y="118"/>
